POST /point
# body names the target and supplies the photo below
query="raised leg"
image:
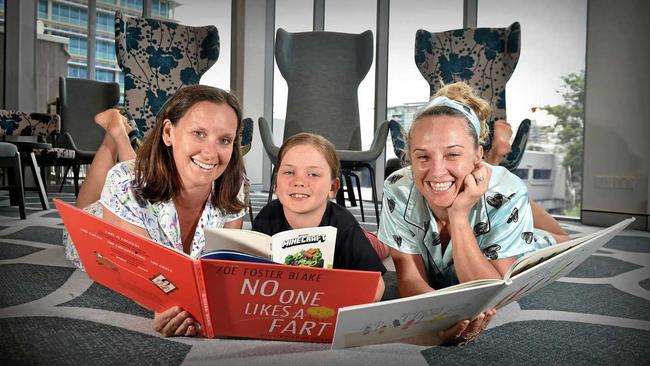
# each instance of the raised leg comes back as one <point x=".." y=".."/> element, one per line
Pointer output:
<point x="543" y="220"/>
<point x="115" y="144"/>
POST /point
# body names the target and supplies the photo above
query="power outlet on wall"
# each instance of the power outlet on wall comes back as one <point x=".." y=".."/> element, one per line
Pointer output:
<point x="624" y="182"/>
<point x="604" y="181"/>
<point x="616" y="182"/>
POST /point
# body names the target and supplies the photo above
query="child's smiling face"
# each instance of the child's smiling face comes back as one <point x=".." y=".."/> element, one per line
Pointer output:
<point x="304" y="182"/>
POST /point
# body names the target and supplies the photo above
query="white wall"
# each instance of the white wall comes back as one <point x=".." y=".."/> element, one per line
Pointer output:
<point x="617" y="122"/>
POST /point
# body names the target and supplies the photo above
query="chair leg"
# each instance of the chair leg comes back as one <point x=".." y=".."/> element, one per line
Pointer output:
<point x="350" y="189"/>
<point x="39" y="181"/>
<point x="340" y="196"/>
<point x="75" y="172"/>
<point x="363" y="217"/>
<point x="271" y="187"/>
<point x="19" y="190"/>
<point x="374" y="190"/>
<point x="64" y="177"/>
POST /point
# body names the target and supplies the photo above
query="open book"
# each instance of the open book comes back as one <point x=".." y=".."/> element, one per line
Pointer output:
<point x="227" y="298"/>
<point x="311" y="247"/>
<point x="438" y="310"/>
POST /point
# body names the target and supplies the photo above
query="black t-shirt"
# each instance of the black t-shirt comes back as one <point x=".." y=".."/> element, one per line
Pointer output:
<point x="353" y="250"/>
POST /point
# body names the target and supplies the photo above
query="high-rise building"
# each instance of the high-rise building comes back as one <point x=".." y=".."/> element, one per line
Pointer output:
<point x="69" y="19"/>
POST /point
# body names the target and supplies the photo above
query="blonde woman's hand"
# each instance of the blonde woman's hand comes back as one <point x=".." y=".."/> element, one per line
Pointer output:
<point x="474" y="186"/>
<point x="466" y="331"/>
<point x="174" y="322"/>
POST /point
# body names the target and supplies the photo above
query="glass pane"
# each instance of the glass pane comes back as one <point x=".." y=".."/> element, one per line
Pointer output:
<point x="200" y="13"/>
<point x="357" y="17"/>
<point x="292" y="16"/>
<point x="68" y="20"/>
<point x="551" y="64"/>
<point x="407" y="89"/>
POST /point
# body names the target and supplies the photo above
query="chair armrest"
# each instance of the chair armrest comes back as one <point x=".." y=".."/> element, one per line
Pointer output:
<point x="370" y="155"/>
<point x="267" y="140"/>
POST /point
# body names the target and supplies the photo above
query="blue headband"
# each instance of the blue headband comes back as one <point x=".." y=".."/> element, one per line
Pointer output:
<point x="462" y="108"/>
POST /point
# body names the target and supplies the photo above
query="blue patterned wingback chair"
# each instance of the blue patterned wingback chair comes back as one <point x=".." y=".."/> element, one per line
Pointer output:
<point x="158" y="58"/>
<point x="485" y="58"/>
<point x="19" y="126"/>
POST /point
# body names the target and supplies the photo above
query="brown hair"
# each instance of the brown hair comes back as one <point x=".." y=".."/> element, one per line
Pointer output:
<point x="464" y="94"/>
<point x="320" y="143"/>
<point x="156" y="176"/>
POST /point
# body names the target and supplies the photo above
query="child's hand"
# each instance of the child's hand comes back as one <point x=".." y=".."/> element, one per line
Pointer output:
<point x="174" y="322"/>
<point x="474" y="186"/>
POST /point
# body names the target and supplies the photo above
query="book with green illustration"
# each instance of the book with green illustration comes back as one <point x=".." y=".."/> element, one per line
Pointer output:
<point x="428" y="313"/>
<point x="310" y="247"/>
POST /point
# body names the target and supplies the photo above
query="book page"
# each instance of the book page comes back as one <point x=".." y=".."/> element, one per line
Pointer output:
<point x="245" y="241"/>
<point x="390" y="321"/>
<point x="557" y="266"/>
<point x="532" y="259"/>
<point x="311" y="247"/>
<point x="152" y="275"/>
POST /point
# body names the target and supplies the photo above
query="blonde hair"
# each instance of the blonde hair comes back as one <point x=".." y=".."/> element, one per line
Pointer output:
<point x="320" y="143"/>
<point x="464" y="94"/>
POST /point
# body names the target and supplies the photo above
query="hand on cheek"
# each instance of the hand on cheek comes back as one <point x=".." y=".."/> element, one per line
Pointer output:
<point x="474" y="186"/>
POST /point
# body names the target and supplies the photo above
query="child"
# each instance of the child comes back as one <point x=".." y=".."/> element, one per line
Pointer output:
<point x="307" y="174"/>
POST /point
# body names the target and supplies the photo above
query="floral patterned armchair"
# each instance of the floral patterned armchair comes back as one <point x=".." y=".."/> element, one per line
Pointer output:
<point x="158" y="58"/>
<point x="485" y="58"/>
<point x="21" y="127"/>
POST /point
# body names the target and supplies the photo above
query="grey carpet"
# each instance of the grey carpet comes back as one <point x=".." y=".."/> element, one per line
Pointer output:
<point x="51" y="313"/>
<point x="57" y="341"/>
<point x="549" y="343"/>
<point x="100" y="297"/>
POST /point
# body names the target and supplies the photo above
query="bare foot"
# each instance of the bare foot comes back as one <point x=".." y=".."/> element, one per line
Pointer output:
<point x="500" y="142"/>
<point x="115" y="124"/>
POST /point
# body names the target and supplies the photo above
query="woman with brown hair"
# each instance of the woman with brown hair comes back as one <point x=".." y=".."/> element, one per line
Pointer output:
<point x="187" y="175"/>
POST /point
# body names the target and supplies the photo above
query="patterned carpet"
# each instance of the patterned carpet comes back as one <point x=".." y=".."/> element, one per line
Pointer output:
<point x="51" y="313"/>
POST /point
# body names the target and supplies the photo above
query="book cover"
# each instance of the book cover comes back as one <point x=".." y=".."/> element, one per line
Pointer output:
<point x="311" y="247"/>
<point x="437" y="310"/>
<point x="227" y="298"/>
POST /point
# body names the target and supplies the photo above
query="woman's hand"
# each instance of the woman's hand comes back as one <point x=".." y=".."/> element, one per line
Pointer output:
<point x="474" y="186"/>
<point x="174" y="322"/>
<point x="465" y="331"/>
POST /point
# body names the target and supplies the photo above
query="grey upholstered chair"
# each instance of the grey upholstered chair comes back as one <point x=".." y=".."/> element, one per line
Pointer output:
<point x="323" y="71"/>
<point x="10" y="160"/>
<point x="158" y="58"/>
<point x="485" y="58"/>
<point x="79" y="101"/>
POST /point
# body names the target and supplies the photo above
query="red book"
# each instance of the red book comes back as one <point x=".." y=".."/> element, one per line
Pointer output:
<point x="227" y="298"/>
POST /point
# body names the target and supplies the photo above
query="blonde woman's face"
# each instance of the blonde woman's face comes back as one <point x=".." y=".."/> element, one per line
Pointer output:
<point x="442" y="154"/>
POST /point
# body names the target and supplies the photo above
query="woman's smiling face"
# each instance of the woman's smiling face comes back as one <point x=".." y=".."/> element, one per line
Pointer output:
<point x="442" y="154"/>
<point x="202" y="143"/>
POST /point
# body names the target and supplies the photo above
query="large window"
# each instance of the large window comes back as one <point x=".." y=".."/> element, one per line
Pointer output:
<point x="356" y="17"/>
<point x="105" y="50"/>
<point x="210" y="12"/>
<point x="407" y="88"/>
<point x="292" y="16"/>
<point x="78" y="46"/>
<point x="553" y="48"/>
<point x="77" y="71"/>
<point x="105" y="22"/>
<point x="105" y="75"/>
<point x="42" y="9"/>
<point x="160" y="8"/>
<point x="71" y="15"/>
<point x="132" y="4"/>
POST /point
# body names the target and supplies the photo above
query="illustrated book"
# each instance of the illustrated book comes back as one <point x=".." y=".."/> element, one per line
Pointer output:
<point x="429" y="313"/>
<point x="311" y="247"/>
<point x="226" y="298"/>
